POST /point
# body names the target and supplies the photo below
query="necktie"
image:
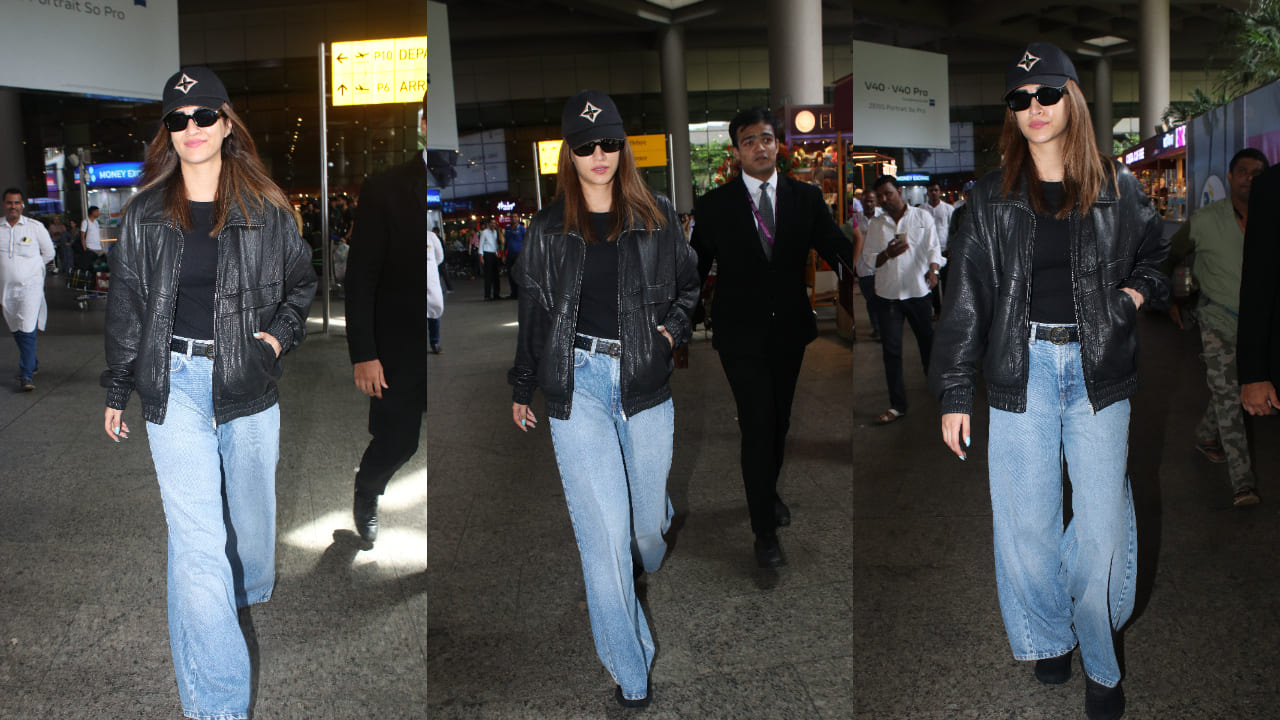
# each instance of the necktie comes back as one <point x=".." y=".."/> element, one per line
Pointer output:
<point x="766" y="207"/>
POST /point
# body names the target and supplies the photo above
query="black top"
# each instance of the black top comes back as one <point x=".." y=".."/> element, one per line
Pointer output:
<point x="1051" y="298"/>
<point x="199" y="270"/>
<point x="598" y="300"/>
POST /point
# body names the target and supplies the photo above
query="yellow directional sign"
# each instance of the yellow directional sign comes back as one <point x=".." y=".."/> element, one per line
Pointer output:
<point x="372" y="72"/>
<point x="649" y="151"/>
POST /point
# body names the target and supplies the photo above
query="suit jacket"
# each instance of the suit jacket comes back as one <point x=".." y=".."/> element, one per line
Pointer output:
<point x="1258" y="341"/>
<point x="760" y="302"/>
<point x="386" y="283"/>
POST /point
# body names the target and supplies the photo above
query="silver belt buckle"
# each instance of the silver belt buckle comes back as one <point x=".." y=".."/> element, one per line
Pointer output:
<point x="1059" y="335"/>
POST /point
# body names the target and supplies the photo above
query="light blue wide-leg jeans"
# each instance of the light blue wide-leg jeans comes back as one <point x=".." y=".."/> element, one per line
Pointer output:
<point x="1058" y="586"/>
<point x="614" y="470"/>
<point x="218" y="488"/>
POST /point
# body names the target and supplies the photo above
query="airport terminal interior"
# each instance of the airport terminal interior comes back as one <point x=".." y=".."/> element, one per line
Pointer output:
<point x="471" y="603"/>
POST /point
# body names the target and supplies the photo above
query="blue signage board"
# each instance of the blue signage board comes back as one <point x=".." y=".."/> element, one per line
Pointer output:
<point x="433" y="197"/>
<point x="119" y="174"/>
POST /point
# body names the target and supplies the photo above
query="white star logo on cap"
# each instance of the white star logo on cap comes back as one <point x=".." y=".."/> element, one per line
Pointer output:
<point x="185" y="84"/>
<point x="1028" y="61"/>
<point x="589" y="112"/>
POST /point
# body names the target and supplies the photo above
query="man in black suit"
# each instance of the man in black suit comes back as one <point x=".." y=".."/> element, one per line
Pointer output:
<point x="387" y="323"/>
<point x="759" y="228"/>
<point x="1258" y="337"/>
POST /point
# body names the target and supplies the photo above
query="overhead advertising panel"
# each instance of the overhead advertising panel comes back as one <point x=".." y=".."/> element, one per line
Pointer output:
<point x="442" y="108"/>
<point x="117" y="49"/>
<point x="649" y="151"/>
<point x="377" y="72"/>
<point x="901" y="98"/>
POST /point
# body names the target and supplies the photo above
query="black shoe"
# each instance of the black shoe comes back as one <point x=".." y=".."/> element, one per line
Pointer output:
<point x="435" y="348"/>
<point x="365" y="510"/>
<point x="769" y="552"/>
<point x="641" y="703"/>
<point x="1054" y="670"/>
<point x="781" y="513"/>
<point x="1102" y="702"/>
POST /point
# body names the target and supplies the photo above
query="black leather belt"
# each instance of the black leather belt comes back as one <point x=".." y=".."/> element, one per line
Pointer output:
<point x="1058" y="335"/>
<point x="196" y="347"/>
<point x="612" y="348"/>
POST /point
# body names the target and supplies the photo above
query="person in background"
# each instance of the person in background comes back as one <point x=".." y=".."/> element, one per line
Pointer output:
<point x="515" y="243"/>
<point x="1058" y="251"/>
<point x="25" y="250"/>
<point x="389" y="276"/>
<point x="1215" y="233"/>
<point x="435" y="294"/>
<point x="211" y="285"/>
<point x="91" y="233"/>
<point x="608" y="286"/>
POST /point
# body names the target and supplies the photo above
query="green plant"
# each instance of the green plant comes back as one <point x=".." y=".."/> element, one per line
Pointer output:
<point x="1255" y="48"/>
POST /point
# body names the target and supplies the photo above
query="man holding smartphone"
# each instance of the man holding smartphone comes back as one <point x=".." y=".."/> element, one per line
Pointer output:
<point x="903" y="247"/>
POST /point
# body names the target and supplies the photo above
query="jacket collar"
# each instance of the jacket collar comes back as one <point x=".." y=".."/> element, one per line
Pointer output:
<point x="153" y="210"/>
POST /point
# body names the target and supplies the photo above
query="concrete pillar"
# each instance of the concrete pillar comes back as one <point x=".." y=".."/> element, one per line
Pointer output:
<point x="675" y="115"/>
<point x="1153" y="71"/>
<point x="795" y="52"/>
<point x="1103" y="120"/>
<point x="13" y="171"/>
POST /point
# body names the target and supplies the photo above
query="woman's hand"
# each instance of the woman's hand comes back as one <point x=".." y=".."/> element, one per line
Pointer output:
<point x="116" y="429"/>
<point x="270" y="340"/>
<point x="671" y="342"/>
<point x="1135" y="296"/>
<point x="955" y="430"/>
<point x="369" y="378"/>
<point x="523" y="417"/>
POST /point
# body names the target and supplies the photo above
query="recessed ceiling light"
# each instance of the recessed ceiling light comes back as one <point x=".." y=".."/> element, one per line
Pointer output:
<point x="1105" y="41"/>
<point x="674" y="4"/>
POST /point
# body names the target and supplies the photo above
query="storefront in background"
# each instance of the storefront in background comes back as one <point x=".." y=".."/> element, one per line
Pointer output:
<point x="1160" y="162"/>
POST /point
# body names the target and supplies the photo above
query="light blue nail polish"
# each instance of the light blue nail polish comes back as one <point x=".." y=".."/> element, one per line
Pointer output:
<point x="966" y="442"/>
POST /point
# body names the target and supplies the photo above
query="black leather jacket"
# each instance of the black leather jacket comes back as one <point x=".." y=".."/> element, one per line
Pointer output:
<point x="657" y="285"/>
<point x="1118" y="243"/>
<point x="264" y="283"/>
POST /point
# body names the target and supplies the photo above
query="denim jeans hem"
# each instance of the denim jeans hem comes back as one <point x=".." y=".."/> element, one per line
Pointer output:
<point x="1044" y="655"/>
<point x="220" y="716"/>
<point x="1100" y="681"/>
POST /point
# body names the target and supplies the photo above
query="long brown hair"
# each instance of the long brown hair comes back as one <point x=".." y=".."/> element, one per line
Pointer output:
<point x="1085" y="169"/>
<point x="633" y="203"/>
<point x="243" y="177"/>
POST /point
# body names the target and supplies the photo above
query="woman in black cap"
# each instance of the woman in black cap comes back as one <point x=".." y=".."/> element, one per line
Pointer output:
<point x="1056" y="253"/>
<point x="210" y="285"/>
<point x="607" y="288"/>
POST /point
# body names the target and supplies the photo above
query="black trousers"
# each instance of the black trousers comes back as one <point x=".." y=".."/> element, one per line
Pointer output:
<point x="764" y="387"/>
<point x="395" y="422"/>
<point x="511" y="277"/>
<point x="492" y="269"/>
<point x="919" y="314"/>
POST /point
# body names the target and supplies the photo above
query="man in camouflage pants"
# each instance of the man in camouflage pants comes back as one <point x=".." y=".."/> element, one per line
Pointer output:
<point x="1216" y="233"/>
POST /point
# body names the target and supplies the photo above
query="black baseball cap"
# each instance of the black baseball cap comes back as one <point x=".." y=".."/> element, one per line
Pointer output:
<point x="1041" y="63"/>
<point x="590" y="115"/>
<point x="193" y="86"/>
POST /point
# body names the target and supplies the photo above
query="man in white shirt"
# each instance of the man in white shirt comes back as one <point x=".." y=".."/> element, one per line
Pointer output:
<point x="941" y="212"/>
<point x="865" y="270"/>
<point x="25" y="249"/>
<point x="90" y="233"/>
<point x="492" y="266"/>
<point x="903" y="246"/>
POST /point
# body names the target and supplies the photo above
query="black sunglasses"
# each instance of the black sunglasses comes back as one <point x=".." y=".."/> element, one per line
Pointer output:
<point x="609" y="145"/>
<point x="204" y="117"/>
<point x="1046" y="95"/>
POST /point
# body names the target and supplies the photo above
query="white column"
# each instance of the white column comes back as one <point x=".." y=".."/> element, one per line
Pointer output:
<point x="675" y="115"/>
<point x="1103" y="120"/>
<point x="795" y="52"/>
<point x="1153" y="72"/>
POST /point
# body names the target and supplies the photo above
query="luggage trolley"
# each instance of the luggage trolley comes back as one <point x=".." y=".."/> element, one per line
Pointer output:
<point x="88" y="284"/>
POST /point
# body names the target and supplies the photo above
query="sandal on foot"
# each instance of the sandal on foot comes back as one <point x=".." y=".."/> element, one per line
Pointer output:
<point x="889" y="416"/>
<point x="1212" y="450"/>
<point x="1246" y="496"/>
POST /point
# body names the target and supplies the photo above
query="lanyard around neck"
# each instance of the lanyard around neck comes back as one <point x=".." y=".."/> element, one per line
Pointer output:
<point x="764" y="229"/>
